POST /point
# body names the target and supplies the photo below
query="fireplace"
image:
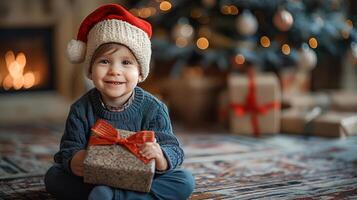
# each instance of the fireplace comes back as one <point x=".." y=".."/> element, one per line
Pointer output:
<point x="26" y="60"/>
<point x="37" y="83"/>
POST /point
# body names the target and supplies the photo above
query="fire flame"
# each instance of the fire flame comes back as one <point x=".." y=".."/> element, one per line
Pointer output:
<point x="16" y="77"/>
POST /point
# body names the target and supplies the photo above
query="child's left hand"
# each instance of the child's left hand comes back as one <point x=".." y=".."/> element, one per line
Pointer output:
<point x="151" y="150"/>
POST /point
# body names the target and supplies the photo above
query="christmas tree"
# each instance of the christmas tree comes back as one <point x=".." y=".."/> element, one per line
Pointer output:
<point x="269" y="34"/>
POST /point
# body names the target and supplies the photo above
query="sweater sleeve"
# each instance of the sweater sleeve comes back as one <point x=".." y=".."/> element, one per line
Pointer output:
<point x="170" y="146"/>
<point x="73" y="139"/>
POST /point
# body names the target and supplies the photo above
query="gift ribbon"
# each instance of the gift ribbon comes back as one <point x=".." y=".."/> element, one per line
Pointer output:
<point x="251" y="105"/>
<point x="106" y="134"/>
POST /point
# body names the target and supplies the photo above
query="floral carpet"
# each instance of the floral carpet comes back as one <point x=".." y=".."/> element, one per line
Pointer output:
<point x="225" y="166"/>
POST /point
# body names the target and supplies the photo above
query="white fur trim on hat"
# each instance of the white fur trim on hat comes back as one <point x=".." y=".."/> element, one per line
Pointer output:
<point x="76" y="51"/>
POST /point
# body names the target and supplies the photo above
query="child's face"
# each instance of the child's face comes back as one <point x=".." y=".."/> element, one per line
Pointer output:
<point x="115" y="73"/>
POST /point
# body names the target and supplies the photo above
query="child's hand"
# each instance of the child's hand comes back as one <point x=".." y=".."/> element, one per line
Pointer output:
<point x="77" y="162"/>
<point x="151" y="150"/>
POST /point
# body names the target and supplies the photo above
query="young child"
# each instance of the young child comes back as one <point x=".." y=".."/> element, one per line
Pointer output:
<point x="116" y="49"/>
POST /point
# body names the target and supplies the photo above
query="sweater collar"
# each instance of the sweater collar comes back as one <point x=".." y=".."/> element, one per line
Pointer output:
<point x="126" y="114"/>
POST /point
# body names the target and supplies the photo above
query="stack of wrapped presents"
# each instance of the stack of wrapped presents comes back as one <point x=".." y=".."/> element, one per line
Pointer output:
<point x="254" y="101"/>
<point x="327" y="114"/>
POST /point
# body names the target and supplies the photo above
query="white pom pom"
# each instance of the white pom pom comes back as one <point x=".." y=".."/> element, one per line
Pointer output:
<point x="76" y="51"/>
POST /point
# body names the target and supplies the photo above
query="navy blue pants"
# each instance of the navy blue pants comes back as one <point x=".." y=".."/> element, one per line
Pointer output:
<point x="175" y="184"/>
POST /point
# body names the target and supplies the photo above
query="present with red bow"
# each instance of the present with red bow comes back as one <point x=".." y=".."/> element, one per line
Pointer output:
<point x="113" y="158"/>
<point x="254" y="103"/>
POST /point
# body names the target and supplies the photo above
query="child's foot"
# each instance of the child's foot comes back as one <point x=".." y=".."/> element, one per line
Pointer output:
<point x="101" y="193"/>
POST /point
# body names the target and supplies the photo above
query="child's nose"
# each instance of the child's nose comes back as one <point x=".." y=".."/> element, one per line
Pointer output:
<point x="116" y="70"/>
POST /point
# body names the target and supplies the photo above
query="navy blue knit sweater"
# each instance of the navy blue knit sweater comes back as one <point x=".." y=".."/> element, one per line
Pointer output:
<point x="145" y="113"/>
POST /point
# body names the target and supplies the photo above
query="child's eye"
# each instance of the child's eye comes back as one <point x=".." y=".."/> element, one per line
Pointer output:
<point x="127" y="62"/>
<point x="104" y="61"/>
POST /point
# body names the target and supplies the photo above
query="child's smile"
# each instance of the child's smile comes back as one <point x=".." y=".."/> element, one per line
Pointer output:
<point x="115" y="73"/>
<point x="111" y="83"/>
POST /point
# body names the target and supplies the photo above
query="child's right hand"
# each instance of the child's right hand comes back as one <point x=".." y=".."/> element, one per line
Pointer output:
<point x="77" y="162"/>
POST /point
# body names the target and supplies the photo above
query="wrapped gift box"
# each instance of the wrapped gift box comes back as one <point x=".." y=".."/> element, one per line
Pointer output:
<point x="308" y="100"/>
<point x="344" y="101"/>
<point x="115" y="166"/>
<point x="317" y="122"/>
<point x="264" y="92"/>
<point x="332" y="100"/>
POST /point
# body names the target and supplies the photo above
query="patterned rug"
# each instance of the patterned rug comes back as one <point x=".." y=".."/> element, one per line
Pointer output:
<point x="225" y="166"/>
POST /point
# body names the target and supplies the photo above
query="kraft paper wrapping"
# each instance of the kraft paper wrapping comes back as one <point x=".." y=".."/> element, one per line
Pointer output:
<point x="327" y="124"/>
<point x="115" y="166"/>
<point x="267" y="91"/>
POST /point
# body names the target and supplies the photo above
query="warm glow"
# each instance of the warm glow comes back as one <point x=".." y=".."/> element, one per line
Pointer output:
<point x="16" y="77"/>
<point x="202" y="43"/>
<point x="233" y="10"/>
<point x="285" y="49"/>
<point x="18" y="82"/>
<point x="229" y="10"/>
<point x="265" y="41"/>
<point x="38" y="77"/>
<point x="21" y="59"/>
<point x="165" y="6"/>
<point x="239" y="59"/>
<point x="29" y="80"/>
<point x="181" y="42"/>
<point x="153" y="10"/>
<point x="7" y="83"/>
<point x="145" y="12"/>
<point x="225" y="9"/>
<point x="9" y="58"/>
<point x="313" y="43"/>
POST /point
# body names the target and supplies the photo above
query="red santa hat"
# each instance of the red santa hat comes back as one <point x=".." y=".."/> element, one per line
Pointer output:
<point x="112" y="23"/>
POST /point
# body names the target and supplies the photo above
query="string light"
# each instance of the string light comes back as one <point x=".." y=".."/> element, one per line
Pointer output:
<point x="239" y="59"/>
<point x="202" y="43"/>
<point x="165" y="6"/>
<point x="144" y="12"/>
<point x="229" y="10"/>
<point x="313" y="43"/>
<point x="181" y="42"/>
<point x="265" y="41"/>
<point x="285" y="49"/>
<point x="233" y="10"/>
<point x="225" y="9"/>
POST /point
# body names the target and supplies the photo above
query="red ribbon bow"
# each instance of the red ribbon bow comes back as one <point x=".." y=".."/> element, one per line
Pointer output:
<point x="251" y="106"/>
<point x="106" y="134"/>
